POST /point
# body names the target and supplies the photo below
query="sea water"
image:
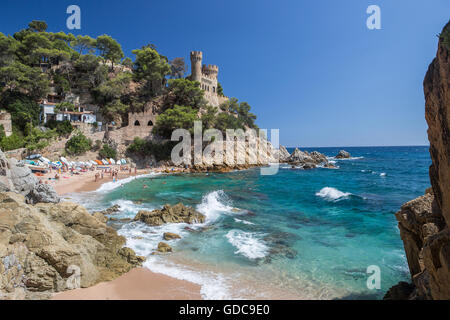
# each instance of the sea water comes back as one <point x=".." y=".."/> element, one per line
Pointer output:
<point x="299" y="234"/>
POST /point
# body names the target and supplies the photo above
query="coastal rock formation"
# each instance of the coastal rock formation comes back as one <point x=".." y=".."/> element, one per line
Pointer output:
<point x="308" y="160"/>
<point x="47" y="247"/>
<point x="425" y="222"/>
<point x="170" y="214"/>
<point x="16" y="177"/>
<point x="170" y="236"/>
<point x="111" y="210"/>
<point x="283" y="154"/>
<point x="164" y="247"/>
<point x="343" y="155"/>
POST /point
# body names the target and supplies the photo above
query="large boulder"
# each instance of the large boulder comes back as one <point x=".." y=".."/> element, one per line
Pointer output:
<point x="45" y="248"/>
<point x="16" y="177"/>
<point x="309" y="160"/>
<point x="342" y="154"/>
<point x="170" y="214"/>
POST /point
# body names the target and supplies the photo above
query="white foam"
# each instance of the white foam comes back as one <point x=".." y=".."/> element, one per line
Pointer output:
<point x="243" y="221"/>
<point x="214" y="204"/>
<point x="144" y="239"/>
<point x="108" y="186"/>
<point x="346" y="159"/>
<point x="383" y="174"/>
<point x="247" y="243"/>
<point x="332" y="194"/>
<point x="213" y="286"/>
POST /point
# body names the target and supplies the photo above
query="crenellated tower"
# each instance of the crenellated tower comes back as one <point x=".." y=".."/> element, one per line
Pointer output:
<point x="210" y="71"/>
<point x="207" y="76"/>
<point x="196" y="65"/>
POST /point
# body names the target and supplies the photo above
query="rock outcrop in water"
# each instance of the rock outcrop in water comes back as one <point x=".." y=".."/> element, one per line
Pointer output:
<point x="170" y="214"/>
<point x="44" y="247"/>
<point x="308" y="160"/>
<point x="16" y="177"/>
<point x="425" y="222"/>
<point x="342" y="154"/>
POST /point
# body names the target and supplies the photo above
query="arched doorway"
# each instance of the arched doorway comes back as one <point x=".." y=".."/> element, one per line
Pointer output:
<point x="150" y="123"/>
<point x="136" y="123"/>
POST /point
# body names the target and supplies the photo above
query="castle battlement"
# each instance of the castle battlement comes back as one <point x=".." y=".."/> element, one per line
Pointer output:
<point x="207" y="76"/>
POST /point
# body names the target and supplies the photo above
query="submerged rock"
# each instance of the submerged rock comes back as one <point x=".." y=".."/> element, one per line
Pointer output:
<point x="164" y="247"/>
<point x="343" y="155"/>
<point x="170" y="214"/>
<point x="113" y="209"/>
<point x="170" y="236"/>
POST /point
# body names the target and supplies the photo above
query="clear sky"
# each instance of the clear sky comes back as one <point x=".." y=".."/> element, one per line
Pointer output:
<point x="309" y="68"/>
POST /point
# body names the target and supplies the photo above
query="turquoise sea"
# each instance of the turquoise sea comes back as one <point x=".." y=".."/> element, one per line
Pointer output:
<point x="299" y="234"/>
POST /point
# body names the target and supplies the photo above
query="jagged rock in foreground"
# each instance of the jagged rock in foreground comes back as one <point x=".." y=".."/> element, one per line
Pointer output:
<point x="170" y="214"/>
<point x="16" y="177"/>
<point x="43" y="246"/>
<point x="425" y="222"/>
<point x="342" y="154"/>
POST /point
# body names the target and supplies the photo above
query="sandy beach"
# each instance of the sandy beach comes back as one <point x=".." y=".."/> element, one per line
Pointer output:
<point x="138" y="284"/>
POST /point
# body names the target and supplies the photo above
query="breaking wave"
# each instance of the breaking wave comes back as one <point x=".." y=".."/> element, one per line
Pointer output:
<point x="247" y="243"/>
<point x="332" y="194"/>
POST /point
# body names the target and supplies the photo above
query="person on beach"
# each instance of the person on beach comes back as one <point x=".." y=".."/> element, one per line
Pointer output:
<point x="145" y="186"/>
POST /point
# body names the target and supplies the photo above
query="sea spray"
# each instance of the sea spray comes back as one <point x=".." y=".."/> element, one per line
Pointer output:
<point x="332" y="194"/>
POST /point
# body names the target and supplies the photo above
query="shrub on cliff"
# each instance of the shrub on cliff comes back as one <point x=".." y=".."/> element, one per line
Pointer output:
<point x="186" y="93"/>
<point x="63" y="128"/>
<point x="107" y="152"/>
<point x="78" y="144"/>
<point x="14" y="141"/>
<point x="141" y="147"/>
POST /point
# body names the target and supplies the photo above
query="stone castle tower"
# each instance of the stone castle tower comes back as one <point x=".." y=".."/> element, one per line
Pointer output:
<point x="207" y="76"/>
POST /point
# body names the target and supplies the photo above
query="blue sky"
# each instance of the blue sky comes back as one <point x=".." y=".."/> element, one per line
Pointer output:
<point x="310" y="68"/>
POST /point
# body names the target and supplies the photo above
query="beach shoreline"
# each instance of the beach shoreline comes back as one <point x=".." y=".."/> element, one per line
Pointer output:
<point x="139" y="283"/>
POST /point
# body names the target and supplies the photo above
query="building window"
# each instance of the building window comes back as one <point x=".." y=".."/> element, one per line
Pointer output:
<point x="214" y="89"/>
<point x="150" y="123"/>
<point x="136" y="123"/>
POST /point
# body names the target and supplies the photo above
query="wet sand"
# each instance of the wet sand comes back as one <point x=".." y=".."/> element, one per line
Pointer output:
<point x="138" y="284"/>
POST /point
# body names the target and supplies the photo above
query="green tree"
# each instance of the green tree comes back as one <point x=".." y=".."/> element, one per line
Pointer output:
<point x="187" y="93"/>
<point x="8" y="49"/>
<point x="37" y="26"/>
<point x="178" y="68"/>
<point x="174" y="118"/>
<point x="127" y="62"/>
<point x="150" y="69"/>
<point x="23" y="109"/>
<point x="108" y="96"/>
<point x="78" y="144"/>
<point x="109" y="49"/>
<point x="220" y="90"/>
<point x="84" y="43"/>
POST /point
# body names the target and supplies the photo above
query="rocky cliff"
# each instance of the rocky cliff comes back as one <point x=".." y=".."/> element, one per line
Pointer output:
<point x="16" y="177"/>
<point x="425" y="222"/>
<point x="47" y="247"/>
